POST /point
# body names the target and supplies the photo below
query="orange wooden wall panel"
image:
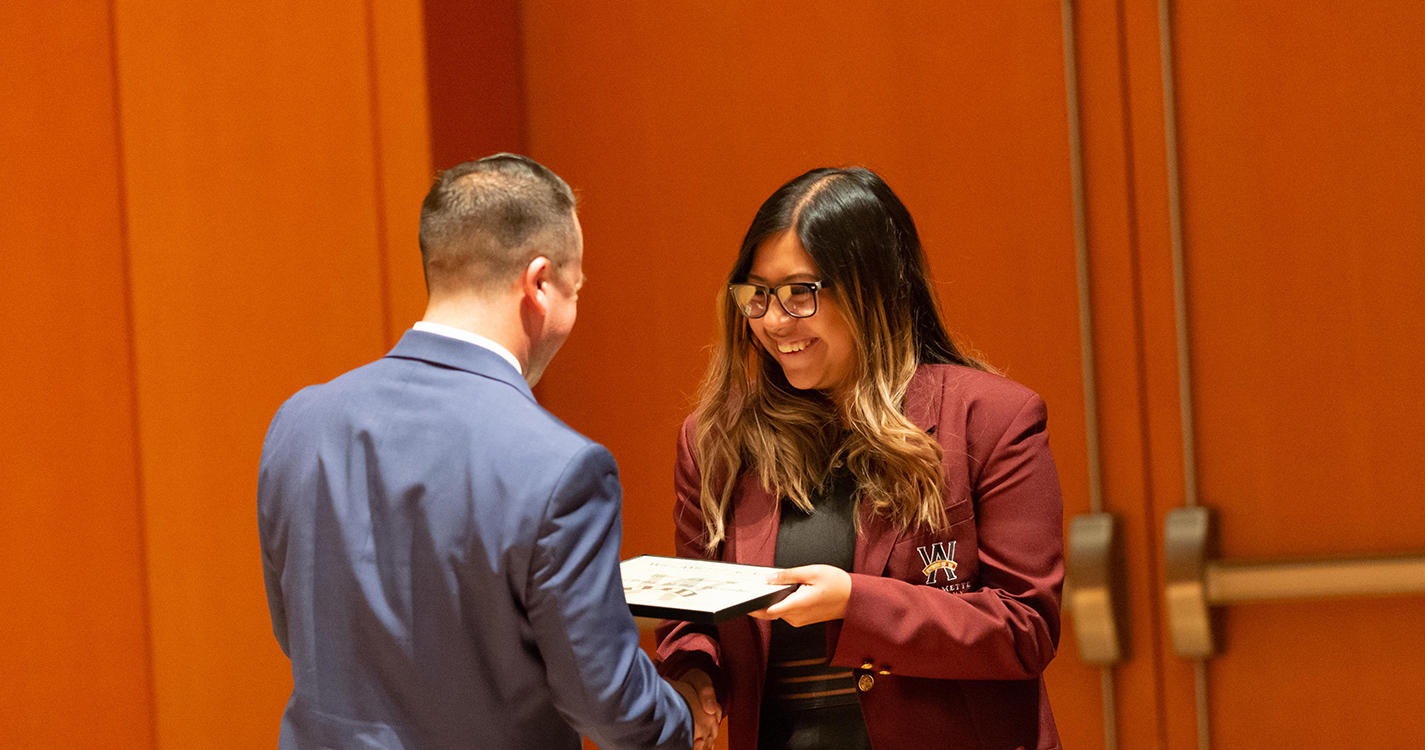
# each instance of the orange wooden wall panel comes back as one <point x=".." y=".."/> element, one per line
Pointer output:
<point x="206" y="208"/>
<point x="1306" y="255"/>
<point x="73" y="637"/>
<point x="402" y="141"/>
<point x="671" y="178"/>
<point x="475" y="80"/>
<point x="256" y="218"/>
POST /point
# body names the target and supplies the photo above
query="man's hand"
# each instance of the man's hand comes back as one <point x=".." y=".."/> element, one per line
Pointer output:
<point x="697" y="689"/>
<point x="823" y="594"/>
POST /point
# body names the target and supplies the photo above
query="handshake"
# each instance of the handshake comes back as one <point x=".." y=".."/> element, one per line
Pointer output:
<point x="697" y="689"/>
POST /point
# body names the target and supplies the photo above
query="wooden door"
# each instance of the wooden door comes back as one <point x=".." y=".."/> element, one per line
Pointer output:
<point x="1281" y="153"/>
<point x="1303" y="178"/>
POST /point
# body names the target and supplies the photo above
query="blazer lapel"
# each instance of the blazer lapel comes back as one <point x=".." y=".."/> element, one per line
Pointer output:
<point x="922" y="398"/>
<point x="873" y="544"/>
<point x="754" y="524"/>
<point x="878" y="536"/>
<point x="753" y="538"/>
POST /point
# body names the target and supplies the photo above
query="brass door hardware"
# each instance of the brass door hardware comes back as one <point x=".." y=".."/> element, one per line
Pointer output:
<point x="1096" y="587"/>
<point x="1198" y="581"/>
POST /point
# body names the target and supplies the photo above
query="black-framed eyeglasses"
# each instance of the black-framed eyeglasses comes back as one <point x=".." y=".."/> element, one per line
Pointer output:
<point x="798" y="299"/>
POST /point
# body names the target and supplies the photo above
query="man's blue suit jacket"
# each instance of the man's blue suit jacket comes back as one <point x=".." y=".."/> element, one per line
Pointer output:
<point x="441" y="557"/>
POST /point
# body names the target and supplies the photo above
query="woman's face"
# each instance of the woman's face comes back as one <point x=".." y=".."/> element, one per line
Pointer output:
<point x="815" y="352"/>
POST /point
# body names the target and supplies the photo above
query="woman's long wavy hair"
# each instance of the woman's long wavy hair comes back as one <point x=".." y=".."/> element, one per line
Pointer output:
<point x="750" y="419"/>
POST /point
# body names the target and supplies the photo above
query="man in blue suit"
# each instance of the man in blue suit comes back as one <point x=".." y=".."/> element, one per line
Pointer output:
<point x="441" y="553"/>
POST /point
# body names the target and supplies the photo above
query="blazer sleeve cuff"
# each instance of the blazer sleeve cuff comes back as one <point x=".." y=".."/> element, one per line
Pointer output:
<point x="849" y="645"/>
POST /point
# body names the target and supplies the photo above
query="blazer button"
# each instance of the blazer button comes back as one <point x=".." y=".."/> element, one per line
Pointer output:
<point x="865" y="683"/>
<point x="867" y="665"/>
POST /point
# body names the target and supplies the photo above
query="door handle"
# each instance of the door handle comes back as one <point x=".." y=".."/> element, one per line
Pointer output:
<point x="1197" y="580"/>
<point x="1095" y="588"/>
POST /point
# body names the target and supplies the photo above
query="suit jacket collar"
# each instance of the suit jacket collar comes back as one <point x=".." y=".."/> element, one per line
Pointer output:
<point x="444" y="351"/>
<point x="754" y="528"/>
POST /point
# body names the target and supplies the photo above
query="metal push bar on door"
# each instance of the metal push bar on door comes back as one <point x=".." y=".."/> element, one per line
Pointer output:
<point x="1198" y="581"/>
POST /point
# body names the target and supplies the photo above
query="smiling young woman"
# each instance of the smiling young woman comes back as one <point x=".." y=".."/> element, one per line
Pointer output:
<point x="842" y="435"/>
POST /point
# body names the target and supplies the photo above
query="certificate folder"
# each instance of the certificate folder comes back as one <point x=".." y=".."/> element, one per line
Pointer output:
<point x="700" y="591"/>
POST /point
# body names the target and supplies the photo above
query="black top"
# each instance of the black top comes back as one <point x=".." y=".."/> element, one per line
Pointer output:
<point x="806" y="701"/>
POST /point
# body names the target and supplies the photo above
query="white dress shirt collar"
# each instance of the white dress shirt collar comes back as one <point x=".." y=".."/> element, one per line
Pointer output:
<point x="473" y="338"/>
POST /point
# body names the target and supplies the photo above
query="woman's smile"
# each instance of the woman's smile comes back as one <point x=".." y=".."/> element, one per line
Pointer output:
<point x="794" y="347"/>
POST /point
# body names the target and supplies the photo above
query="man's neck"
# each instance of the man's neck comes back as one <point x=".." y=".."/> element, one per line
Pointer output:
<point x="482" y="319"/>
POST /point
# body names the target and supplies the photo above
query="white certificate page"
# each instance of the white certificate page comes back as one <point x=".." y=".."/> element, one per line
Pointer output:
<point x="713" y="588"/>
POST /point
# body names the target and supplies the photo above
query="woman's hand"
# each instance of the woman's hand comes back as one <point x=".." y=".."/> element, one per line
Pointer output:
<point x="824" y="591"/>
<point x="697" y="689"/>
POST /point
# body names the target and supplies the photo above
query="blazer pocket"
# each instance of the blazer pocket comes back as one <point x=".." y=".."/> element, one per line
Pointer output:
<point x="955" y="514"/>
<point x="947" y="559"/>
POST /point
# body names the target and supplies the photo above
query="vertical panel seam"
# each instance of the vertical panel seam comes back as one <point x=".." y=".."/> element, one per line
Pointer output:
<point x="379" y="173"/>
<point x="1140" y="345"/>
<point x="1107" y="690"/>
<point x="1175" y="227"/>
<point x="1081" y="253"/>
<point x="524" y="128"/>
<point x="523" y="80"/>
<point x="131" y="318"/>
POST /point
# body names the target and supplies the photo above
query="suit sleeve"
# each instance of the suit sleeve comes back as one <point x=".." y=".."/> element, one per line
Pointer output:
<point x="1008" y="627"/>
<point x="683" y="646"/>
<point x="268" y="538"/>
<point x="272" y="578"/>
<point x="601" y="681"/>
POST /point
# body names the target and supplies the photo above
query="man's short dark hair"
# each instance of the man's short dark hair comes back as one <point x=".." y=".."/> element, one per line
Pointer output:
<point x="484" y="221"/>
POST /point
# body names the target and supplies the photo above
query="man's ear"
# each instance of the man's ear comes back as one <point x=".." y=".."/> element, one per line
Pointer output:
<point x="535" y="280"/>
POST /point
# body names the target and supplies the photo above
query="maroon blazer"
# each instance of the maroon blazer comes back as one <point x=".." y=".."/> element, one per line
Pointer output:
<point x="947" y="632"/>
